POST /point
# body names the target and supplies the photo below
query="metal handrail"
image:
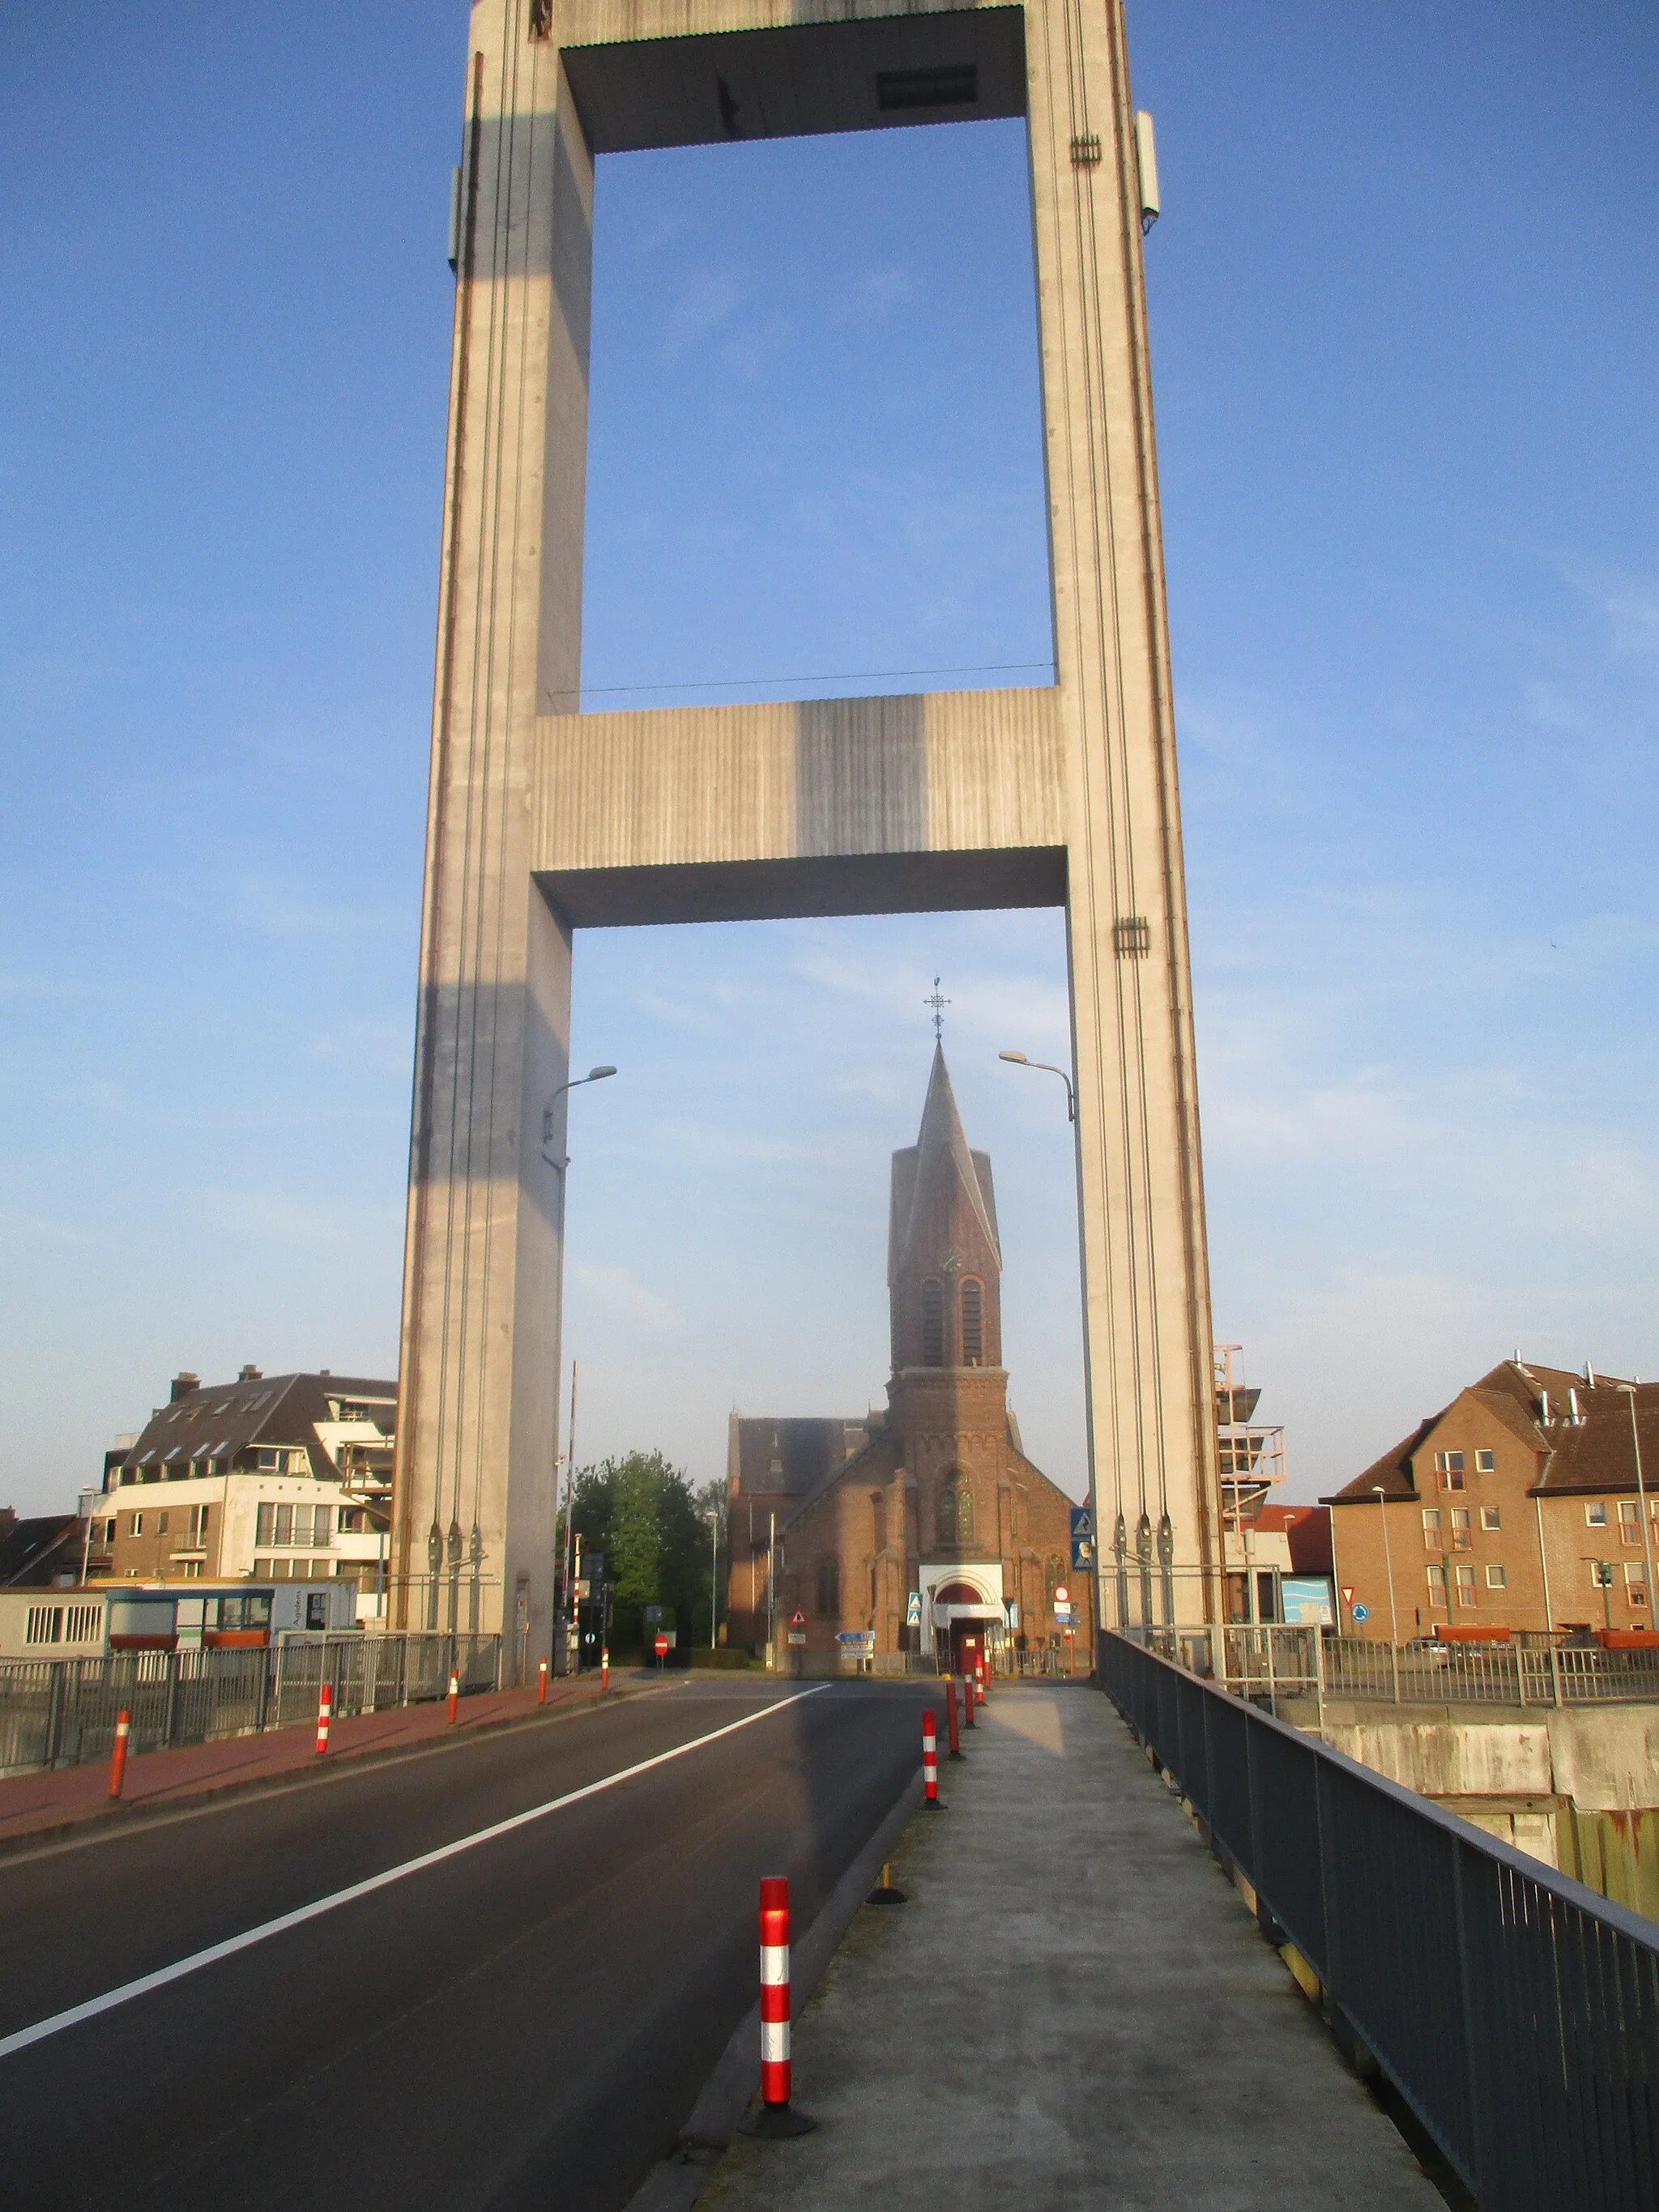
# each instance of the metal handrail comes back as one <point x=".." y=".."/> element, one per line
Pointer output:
<point x="1516" y="2012"/>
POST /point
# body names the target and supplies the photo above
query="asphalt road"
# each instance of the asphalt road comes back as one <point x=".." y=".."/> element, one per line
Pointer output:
<point x="524" y="2022"/>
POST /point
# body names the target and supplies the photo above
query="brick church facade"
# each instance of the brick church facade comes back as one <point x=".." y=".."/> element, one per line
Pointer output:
<point x="928" y="1507"/>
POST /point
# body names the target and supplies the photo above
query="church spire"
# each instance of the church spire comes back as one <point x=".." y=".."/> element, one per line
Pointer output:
<point x="942" y="1139"/>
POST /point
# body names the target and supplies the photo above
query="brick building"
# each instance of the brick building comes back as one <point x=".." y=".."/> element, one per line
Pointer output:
<point x="928" y="1507"/>
<point x="280" y="1477"/>
<point x="1517" y="1506"/>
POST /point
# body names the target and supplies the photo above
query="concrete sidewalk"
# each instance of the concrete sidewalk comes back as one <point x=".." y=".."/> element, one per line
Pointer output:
<point x="1074" y="2008"/>
<point x="37" y="1808"/>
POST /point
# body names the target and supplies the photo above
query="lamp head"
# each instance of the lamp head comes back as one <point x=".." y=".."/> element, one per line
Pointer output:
<point x="1018" y="1057"/>
<point x="598" y="1074"/>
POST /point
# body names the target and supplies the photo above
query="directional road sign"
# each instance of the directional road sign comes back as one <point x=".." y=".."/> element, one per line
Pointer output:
<point x="1083" y="1536"/>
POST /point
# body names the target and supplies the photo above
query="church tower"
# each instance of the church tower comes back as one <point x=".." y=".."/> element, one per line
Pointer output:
<point x="948" y="1393"/>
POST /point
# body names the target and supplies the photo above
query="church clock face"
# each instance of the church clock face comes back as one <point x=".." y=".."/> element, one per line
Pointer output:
<point x="952" y="1263"/>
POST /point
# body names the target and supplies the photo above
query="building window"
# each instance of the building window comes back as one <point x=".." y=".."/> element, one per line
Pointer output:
<point x="1432" y="1539"/>
<point x="973" y="1321"/>
<point x="1636" y="1582"/>
<point x="135" y="1524"/>
<point x="1491" y="1517"/>
<point x="1054" y="1577"/>
<point x="1438" y="1588"/>
<point x="265" y="1529"/>
<point x="1495" y="1578"/>
<point x="933" y="1324"/>
<point x="1465" y="1585"/>
<point x="829" y="1589"/>
<point x="1449" y="1469"/>
<point x="1486" y="1462"/>
<point x="161" y="1524"/>
<point x="1595" y="1516"/>
<point x="1460" y="1536"/>
<point x="267" y="1462"/>
<point x="965" y="1516"/>
<point x="947" y="1516"/>
<point x="191" y="1569"/>
<point x="198" y="1522"/>
<point x="262" y="1571"/>
<point x="1630" y="1521"/>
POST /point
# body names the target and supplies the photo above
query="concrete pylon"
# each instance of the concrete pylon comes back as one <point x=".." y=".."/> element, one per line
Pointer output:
<point x="543" y="820"/>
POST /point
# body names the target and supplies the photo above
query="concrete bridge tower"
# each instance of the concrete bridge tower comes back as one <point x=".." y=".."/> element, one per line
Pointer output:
<point x="543" y="820"/>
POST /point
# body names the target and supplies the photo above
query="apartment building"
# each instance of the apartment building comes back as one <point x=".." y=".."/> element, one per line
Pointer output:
<point x="1524" y="1503"/>
<point x="275" y="1478"/>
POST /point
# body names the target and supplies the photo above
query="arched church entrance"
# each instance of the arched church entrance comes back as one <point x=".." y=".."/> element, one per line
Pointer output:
<point x="967" y="1616"/>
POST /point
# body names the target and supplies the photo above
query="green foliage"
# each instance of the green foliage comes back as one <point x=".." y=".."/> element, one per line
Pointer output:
<point x="641" y="1513"/>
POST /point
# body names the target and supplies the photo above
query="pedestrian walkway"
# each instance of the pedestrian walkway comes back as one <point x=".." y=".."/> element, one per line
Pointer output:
<point x="1074" y="2009"/>
<point x="35" y="1807"/>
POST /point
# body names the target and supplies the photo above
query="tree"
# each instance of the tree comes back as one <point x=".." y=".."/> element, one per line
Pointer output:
<point x="640" y="1512"/>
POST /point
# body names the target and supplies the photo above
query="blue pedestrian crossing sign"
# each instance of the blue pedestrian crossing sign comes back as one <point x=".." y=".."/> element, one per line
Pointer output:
<point x="913" y="1611"/>
<point x="1083" y="1534"/>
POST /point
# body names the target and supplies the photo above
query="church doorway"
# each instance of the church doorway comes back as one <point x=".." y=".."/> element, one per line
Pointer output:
<point x="964" y="1621"/>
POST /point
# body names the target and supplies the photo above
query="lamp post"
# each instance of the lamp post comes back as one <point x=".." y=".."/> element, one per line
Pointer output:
<point x="1394" y="1618"/>
<point x="1629" y="1389"/>
<point x="1601" y="1576"/>
<point x="593" y="1075"/>
<point x="1018" y="1060"/>
<point x="714" y="1520"/>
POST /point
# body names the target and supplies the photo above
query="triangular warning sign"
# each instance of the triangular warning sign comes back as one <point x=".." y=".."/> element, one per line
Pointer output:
<point x="1348" y="1593"/>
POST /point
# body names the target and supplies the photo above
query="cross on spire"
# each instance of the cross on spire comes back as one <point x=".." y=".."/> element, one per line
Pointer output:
<point x="939" y="1004"/>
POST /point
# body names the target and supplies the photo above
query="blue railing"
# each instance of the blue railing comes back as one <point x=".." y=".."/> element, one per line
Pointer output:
<point x="1515" y="2012"/>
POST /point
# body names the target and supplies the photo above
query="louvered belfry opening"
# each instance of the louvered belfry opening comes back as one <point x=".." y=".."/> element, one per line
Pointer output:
<point x="973" y="1323"/>
<point x="932" y="1322"/>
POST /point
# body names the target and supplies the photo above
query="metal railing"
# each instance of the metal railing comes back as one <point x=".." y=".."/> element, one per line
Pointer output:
<point x="1268" y="1664"/>
<point x="62" y="1712"/>
<point x="1515" y="2012"/>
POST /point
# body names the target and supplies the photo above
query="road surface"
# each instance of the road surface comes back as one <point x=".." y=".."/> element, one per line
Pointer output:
<point x="522" y="2020"/>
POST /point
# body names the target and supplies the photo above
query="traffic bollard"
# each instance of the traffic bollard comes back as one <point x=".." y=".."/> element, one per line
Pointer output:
<point x="454" y="1695"/>
<point x="541" y="1683"/>
<point x="929" y="1764"/>
<point x="605" y="1668"/>
<point x="979" y="1681"/>
<point x="777" y="2116"/>
<point x="883" y="1892"/>
<point x="967" y="1701"/>
<point x="951" y="1735"/>
<point x="324" y="1714"/>
<point x="117" y="1757"/>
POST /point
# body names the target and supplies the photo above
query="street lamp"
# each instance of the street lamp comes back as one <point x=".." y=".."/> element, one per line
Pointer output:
<point x="713" y="1520"/>
<point x="1393" y="1622"/>
<point x="593" y="1075"/>
<point x="1018" y="1060"/>
<point x="1641" y="1499"/>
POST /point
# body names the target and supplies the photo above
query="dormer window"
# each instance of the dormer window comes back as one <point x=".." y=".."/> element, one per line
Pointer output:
<point x="973" y="1321"/>
<point x="932" y="1322"/>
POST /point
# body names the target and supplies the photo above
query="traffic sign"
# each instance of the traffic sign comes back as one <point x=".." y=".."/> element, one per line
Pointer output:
<point x="913" y="1610"/>
<point x="798" y="1636"/>
<point x="660" y="1646"/>
<point x="798" y="1619"/>
<point x="1348" y="1593"/>
<point x="1360" y="1612"/>
<point x="1062" y="1595"/>
<point x="856" y="1636"/>
<point x="1083" y="1536"/>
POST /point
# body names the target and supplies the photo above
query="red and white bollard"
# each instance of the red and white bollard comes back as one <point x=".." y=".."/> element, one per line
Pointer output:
<point x="324" y="1714"/>
<point x="454" y="1695"/>
<point x="979" y="1680"/>
<point x="604" y="1667"/>
<point x="117" y="1757"/>
<point x="968" y="1700"/>
<point x="541" y="1684"/>
<point x="929" y="1764"/>
<point x="776" y="2116"/>
<point x="950" y="1735"/>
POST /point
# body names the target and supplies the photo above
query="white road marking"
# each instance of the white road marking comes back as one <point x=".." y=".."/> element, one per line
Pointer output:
<point x="159" y="1980"/>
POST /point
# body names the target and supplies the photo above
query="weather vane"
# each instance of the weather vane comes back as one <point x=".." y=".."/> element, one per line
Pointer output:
<point x="939" y="1004"/>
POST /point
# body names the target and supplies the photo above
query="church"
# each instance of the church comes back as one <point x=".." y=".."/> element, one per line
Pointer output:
<point x="920" y="1529"/>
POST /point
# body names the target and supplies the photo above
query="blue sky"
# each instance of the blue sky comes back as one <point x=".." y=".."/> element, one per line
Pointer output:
<point x="1403" y="304"/>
